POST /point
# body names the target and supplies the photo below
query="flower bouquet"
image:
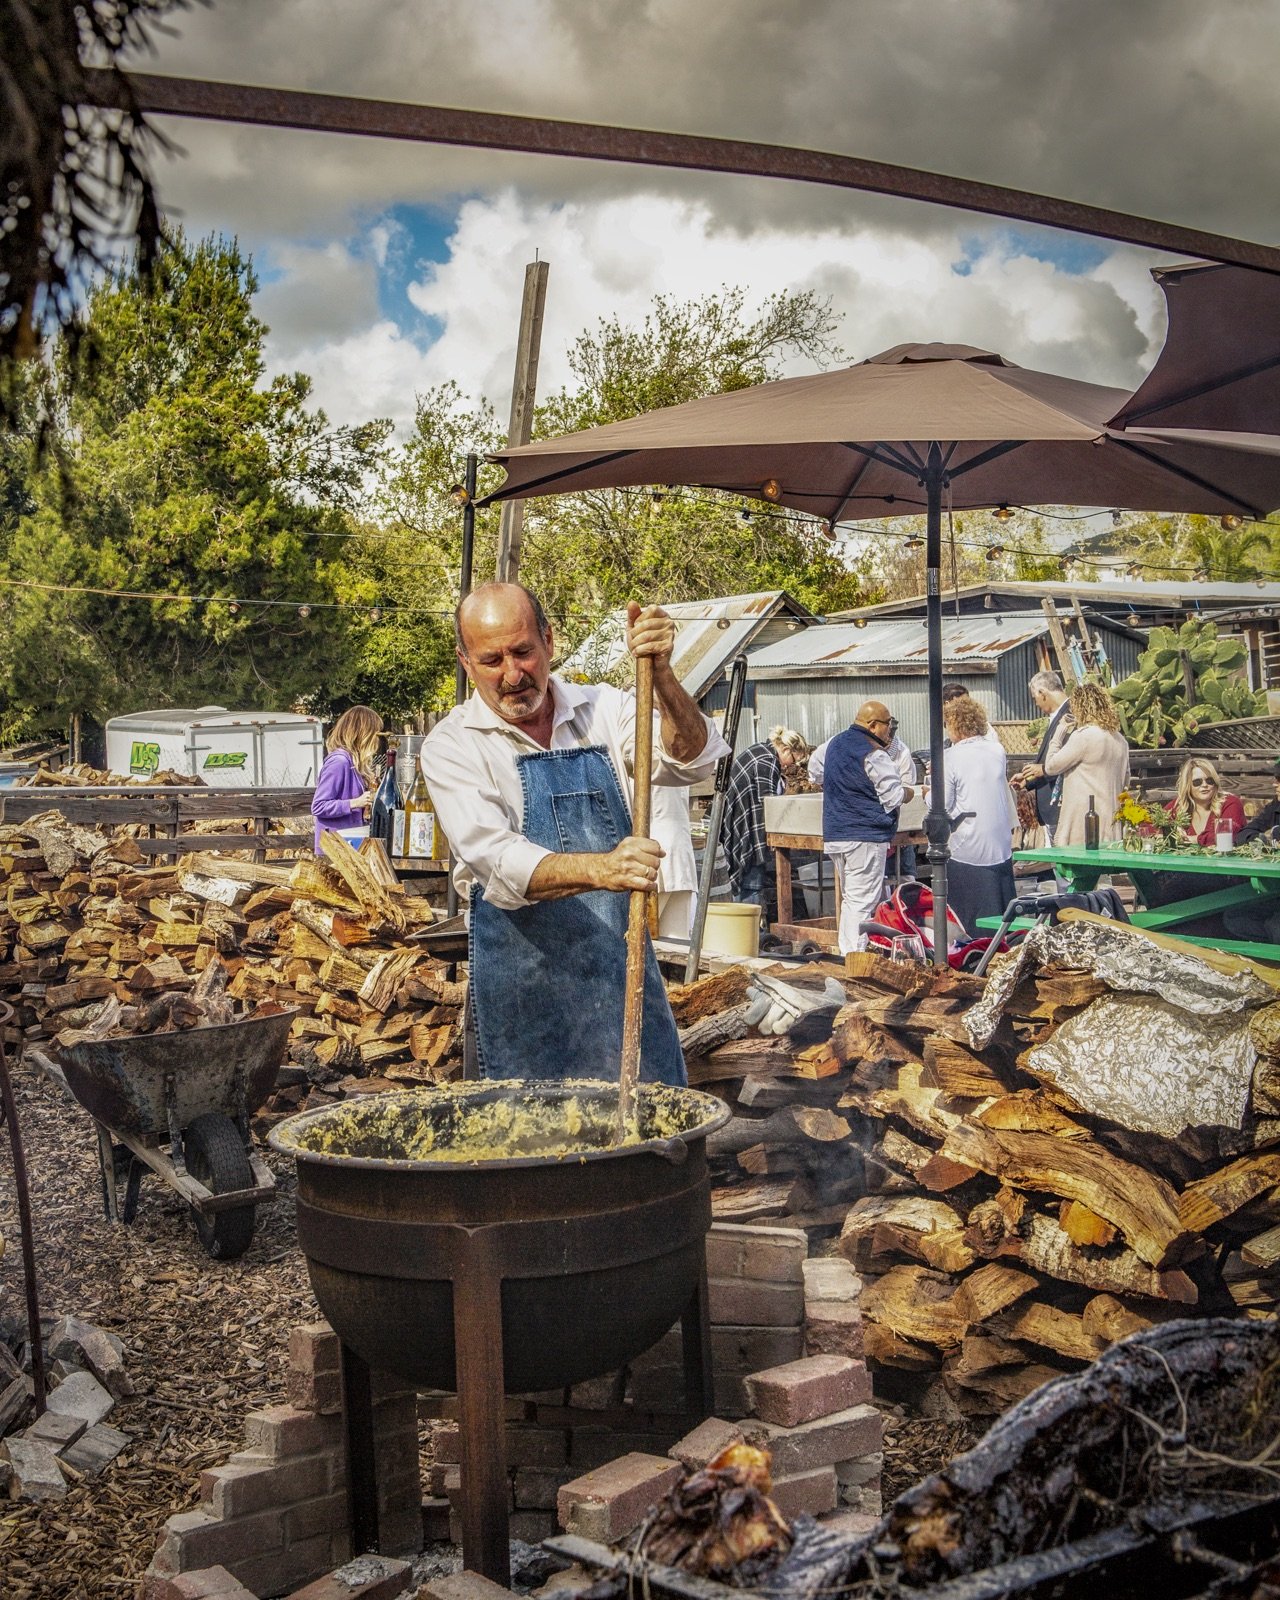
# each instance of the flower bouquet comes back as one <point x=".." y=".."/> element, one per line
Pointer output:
<point x="1140" y="827"/>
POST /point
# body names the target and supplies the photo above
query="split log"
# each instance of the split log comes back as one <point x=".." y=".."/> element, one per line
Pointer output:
<point x="1083" y="1226"/>
<point x="707" y="996"/>
<point x="749" y="1201"/>
<point x="1210" y="1199"/>
<point x="362" y="880"/>
<point x="990" y="1290"/>
<point x="708" y="1034"/>
<point x="1031" y="1111"/>
<point x="1141" y="1205"/>
<point x="1109" y="1319"/>
<point x="1047" y="1249"/>
<point x="898" y="1220"/>
<point x="957" y="1070"/>
<point x="915" y="1303"/>
<point x="1034" y="1322"/>
<point x="885" y="1348"/>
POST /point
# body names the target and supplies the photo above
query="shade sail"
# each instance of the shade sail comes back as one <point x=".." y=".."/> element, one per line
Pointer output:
<point x="1220" y="366"/>
<point x="852" y="444"/>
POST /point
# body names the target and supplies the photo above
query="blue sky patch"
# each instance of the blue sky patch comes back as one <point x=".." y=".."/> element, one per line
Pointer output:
<point x="419" y="235"/>
<point x="1069" y="253"/>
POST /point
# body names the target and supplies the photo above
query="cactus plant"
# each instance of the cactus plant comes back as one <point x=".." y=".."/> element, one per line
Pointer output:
<point x="1186" y="677"/>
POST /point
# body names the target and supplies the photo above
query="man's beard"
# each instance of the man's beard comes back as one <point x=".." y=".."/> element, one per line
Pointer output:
<point x="518" y="705"/>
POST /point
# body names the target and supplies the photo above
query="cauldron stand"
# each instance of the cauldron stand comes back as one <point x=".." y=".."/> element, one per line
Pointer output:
<point x="477" y="1261"/>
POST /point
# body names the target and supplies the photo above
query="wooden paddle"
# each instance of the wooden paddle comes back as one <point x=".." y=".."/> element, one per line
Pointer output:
<point x="637" y="920"/>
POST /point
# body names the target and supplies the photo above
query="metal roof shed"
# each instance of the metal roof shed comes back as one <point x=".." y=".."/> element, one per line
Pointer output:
<point x="815" y="681"/>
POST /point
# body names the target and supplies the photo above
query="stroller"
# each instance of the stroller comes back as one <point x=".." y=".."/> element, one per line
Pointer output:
<point x="908" y="914"/>
<point x="905" y="920"/>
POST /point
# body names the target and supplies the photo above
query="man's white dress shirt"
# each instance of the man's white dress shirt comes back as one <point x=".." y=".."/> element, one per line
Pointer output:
<point x="469" y="762"/>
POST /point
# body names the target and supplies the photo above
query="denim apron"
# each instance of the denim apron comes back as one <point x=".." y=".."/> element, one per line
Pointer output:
<point x="547" y="980"/>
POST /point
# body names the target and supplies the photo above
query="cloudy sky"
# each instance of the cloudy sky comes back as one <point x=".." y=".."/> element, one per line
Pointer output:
<point x="388" y="267"/>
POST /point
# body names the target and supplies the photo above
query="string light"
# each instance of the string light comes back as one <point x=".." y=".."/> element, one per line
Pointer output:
<point x="375" y="613"/>
<point x="859" y="622"/>
<point x="914" y="542"/>
<point x="994" y="552"/>
<point x="458" y="492"/>
<point x="1230" y="522"/>
<point x="304" y="611"/>
<point x="1002" y="514"/>
<point x="771" y="489"/>
<point x="233" y="607"/>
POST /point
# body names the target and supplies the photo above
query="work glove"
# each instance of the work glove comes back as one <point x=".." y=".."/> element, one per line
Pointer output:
<point x="778" y="1007"/>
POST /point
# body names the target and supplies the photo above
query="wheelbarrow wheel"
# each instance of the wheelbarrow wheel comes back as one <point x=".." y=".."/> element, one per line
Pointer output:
<point x="216" y="1156"/>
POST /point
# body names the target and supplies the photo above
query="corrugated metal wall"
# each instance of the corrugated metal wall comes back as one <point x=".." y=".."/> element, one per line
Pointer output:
<point x="820" y="707"/>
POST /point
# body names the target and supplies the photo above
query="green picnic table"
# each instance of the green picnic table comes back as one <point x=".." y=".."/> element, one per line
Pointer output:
<point x="1261" y="886"/>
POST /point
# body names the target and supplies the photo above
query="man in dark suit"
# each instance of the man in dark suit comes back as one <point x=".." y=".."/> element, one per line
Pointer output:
<point x="1051" y="701"/>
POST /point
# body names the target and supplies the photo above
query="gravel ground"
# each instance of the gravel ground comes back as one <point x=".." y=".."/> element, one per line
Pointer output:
<point x="205" y="1343"/>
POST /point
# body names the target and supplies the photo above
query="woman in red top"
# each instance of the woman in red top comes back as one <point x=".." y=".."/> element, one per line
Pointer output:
<point x="1199" y="797"/>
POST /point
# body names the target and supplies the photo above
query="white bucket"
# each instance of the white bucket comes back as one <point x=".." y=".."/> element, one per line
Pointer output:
<point x="732" y="929"/>
<point x="355" y="837"/>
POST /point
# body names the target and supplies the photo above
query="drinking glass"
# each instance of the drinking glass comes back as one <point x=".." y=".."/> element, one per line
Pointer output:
<point x="907" y="947"/>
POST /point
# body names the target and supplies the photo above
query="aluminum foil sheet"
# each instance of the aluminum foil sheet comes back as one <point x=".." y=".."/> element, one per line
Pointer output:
<point x="1150" y="1065"/>
<point x="1123" y="962"/>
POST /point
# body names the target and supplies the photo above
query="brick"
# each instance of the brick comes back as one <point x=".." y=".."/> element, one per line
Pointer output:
<point x="435" y="1519"/>
<point x="861" y="1469"/>
<point x="742" y="1303"/>
<point x="446" y="1439"/>
<point x="764" y="1255"/>
<point x="281" y="1431"/>
<point x="528" y="1446"/>
<point x="739" y="1350"/>
<point x="608" y="1503"/>
<point x="706" y="1442"/>
<point x="314" y="1348"/>
<point x="592" y="1448"/>
<point x="814" y="1492"/>
<point x="531" y="1526"/>
<point x="856" y="1432"/>
<point x="833" y="1328"/>
<point x="195" y="1539"/>
<point x="206" y="1583"/>
<point x="801" y="1391"/>
<point x="246" y="1483"/>
<point x="366" y="1578"/>
<point x="309" y="1560"/>
<point x="537" y="1491"/>
<point x="36" y="1474"/>
<point x="851" y="1524"/>
<point x="865" y="1497"/>
<point x="830" y="1278"/>
<point x="314" y="1391"/>
<point x="465" y="1585"/>
<point x="598" y="1394"/>
<point x="401" y="1535"/>
<point x="306" y="1518"/>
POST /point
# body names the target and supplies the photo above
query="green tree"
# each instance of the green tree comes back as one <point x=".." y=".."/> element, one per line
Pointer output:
<point x="1181" y="545"/>
<point x="178" y="471"/>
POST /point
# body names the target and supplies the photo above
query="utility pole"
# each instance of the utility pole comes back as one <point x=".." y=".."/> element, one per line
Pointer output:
<point x="523" y="389"/>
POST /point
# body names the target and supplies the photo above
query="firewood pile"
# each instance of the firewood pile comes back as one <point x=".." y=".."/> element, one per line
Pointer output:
<point x="81" y="775"/>
<point x="1007" y="1227"/>
<point x="89" y="930"/>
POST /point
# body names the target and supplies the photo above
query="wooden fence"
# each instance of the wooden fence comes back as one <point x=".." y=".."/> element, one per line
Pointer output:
<point x="165" y="811"/>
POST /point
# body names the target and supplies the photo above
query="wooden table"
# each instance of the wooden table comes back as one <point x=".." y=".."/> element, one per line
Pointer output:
<point x="821" y="930"/>
<point x="1261" y="886"/>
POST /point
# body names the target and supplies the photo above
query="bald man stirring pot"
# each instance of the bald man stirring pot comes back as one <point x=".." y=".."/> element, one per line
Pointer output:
<point x="531" y="779"/>
<point x="862" y="792"/>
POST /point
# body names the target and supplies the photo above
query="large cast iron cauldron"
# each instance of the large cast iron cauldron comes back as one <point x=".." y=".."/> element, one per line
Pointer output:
<point x="598" y="1251"/>
<point x="544" y="1256"/>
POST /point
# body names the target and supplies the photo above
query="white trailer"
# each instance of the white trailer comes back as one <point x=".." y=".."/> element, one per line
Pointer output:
<point x="226" y="749"/>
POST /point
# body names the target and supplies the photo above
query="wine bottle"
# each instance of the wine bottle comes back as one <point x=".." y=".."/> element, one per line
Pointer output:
<point x="1091" y="827"/>
<point x="385" y="802"/>
<point x="419" y="820"/>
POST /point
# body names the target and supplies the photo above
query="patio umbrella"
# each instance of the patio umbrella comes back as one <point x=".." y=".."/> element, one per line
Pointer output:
<point x="1220" y="366"/>
<point x="906" y="432"/>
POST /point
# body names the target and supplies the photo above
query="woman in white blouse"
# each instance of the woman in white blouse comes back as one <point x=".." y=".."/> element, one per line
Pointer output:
<point x="980" y="872"/>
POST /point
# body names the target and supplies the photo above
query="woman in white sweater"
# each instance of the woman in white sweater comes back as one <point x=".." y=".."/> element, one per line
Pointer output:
<point x="980" y="873"/>
<point x="1093" y="761"/>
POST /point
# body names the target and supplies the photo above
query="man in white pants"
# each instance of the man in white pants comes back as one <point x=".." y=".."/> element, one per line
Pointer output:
<point x="862" y="791"/>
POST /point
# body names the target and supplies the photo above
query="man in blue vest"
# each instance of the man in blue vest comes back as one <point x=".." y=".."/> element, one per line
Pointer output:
<point x="862" y="791"/>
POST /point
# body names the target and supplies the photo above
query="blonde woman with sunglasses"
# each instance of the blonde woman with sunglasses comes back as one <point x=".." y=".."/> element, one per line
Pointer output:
<point x="1203" y="805"/>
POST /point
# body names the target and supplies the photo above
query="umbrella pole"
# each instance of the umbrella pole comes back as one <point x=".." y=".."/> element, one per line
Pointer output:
<point x="936" y="827"/>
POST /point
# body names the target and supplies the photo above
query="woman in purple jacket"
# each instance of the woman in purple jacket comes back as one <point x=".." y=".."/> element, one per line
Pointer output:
<point x="345" y="788"/>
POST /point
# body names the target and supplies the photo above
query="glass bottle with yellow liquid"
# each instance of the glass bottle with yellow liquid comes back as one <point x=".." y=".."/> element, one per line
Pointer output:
<point x="423" y="837"/>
